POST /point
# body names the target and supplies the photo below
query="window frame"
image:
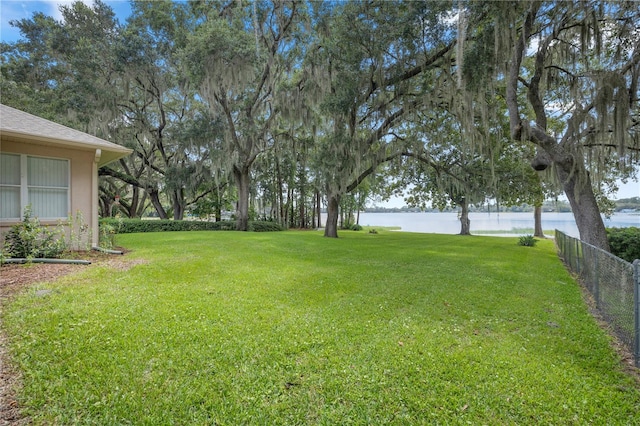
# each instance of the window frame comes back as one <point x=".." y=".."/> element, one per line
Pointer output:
<point x="24" y="186"/>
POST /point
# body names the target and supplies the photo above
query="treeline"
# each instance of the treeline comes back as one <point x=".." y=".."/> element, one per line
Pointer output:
<point x="276" y="110"/>
<point x="632" y="203"/>
<point x="559" y="206"/>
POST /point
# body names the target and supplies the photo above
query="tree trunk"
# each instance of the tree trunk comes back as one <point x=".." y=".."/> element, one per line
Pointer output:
<point x="178" y="204"/>
<point x="313" y="211"/>
<point x="465" y="228"/>
<point x="142" y="205"/>
<point x="303" y="222"/>
<point x="105" y="206"/>
<point x="303" y="194"/>
<point x="537" y="219"/>
<point x="569" y="163"/>
<point x="281" y="215"/>
<point x="577" y="188"/>
<point x="155" y="200"/>
<point x="319" y="208"/>
<point x="294" y="223"/>
<point x="290" y="208"/>
<point x="135" y="199"/>
<point x="242" y="177"/>
<point x="333" y="205"/>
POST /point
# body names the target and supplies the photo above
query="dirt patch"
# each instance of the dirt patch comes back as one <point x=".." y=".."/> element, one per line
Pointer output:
<point x="14" y="278"/>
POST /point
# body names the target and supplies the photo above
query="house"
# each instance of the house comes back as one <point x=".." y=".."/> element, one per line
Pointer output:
<point x="52" y="168"/>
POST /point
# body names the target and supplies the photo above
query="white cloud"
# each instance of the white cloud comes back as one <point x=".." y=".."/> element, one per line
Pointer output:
<point x="54" y="7"/>
<point x="15" y="10"/>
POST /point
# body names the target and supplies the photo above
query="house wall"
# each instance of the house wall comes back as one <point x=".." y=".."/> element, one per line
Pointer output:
<point x="83" y="189"/>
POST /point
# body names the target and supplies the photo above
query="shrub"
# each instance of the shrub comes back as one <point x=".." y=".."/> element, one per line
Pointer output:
<point x="356" y="227"/>
<point x="129" y="226"/>
<point x="29" y="239"/>
<point x="107" y="232"/>
<point x="625" y="242"/>
<point x="527" y="241"/>
<point x="264" y="226"/>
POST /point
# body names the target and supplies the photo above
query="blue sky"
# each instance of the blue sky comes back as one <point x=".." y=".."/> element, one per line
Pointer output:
<point x="16" y="10"/>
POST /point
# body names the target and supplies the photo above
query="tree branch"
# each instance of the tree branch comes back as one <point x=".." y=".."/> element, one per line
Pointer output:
<point x="411" y="72"/>
<point x="370" y="170"/>
<point x="107" y="171"/>
<point x="515" y="122"/>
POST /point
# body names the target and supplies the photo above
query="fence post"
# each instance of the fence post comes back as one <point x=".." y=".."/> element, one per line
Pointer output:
<point x="596" y="275"/>
<point x="636" y="309"/>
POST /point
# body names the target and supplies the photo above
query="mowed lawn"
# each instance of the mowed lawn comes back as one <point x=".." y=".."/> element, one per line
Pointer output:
<point x="292" y="328"/>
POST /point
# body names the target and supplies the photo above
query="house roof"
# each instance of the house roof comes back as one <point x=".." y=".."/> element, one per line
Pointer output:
<point x="28" y="128"/>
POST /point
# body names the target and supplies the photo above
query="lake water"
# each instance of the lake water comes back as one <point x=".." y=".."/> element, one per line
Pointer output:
<point x="521" y="223"/>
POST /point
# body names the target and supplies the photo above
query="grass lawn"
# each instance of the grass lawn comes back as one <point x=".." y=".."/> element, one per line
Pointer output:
<point x="293" y="328"/>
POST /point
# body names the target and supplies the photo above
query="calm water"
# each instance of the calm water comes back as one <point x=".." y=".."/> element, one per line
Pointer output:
<point x="448" y="223"/>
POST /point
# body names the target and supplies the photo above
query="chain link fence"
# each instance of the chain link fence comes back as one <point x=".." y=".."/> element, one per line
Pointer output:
<point x="614" y="284"/>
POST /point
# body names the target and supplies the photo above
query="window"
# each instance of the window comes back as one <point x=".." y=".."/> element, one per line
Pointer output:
<point x="40" y="182"/>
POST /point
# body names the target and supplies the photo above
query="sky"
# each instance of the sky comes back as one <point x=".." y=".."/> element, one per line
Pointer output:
<point x="16" y="10"/>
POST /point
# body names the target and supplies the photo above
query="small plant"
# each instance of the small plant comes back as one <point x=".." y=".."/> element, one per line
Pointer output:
<point x="107" y="230"/>
<point x="527" y="241"/>
<point x="373" y="231"/>
<point x="107" y="234"/>
<point x="356" y="227"/>
<point x="29" y="239"/>
<point x="79" y="236"/>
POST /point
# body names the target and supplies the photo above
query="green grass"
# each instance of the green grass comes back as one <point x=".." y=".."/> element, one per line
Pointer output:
<point x="293" y="328"/>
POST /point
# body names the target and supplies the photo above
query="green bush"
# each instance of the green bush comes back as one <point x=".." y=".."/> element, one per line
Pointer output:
<point x="130" y="226"/>
<point x="356" y="227"/>
<point x="29" y="239"/>
<point x="264" y="226"/>
<point x="625" y="242"/>
<point x="527" y="241"/>
<point x="107" y="232"/>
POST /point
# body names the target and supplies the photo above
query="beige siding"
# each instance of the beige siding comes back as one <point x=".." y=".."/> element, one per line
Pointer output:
<point x="82" y="189"/>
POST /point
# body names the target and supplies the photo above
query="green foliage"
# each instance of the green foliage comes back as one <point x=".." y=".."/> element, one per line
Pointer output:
<point x="399" y="329"/>
<point x="625" y="242"/>
<point x="527" y="241"/>
<point x="108" y="228"/>
<point x="130" y="226"/>
<point x="207" y="207"/>
<point x="29" y="239"/>
<point x="356" y="227"/>
<point x="331" y="90"/>
<point x="264" y="226"/>
<point x="79" y="236"/>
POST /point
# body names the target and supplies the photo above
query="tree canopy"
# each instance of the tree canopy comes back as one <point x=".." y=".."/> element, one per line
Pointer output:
<point x="281" y="107"/>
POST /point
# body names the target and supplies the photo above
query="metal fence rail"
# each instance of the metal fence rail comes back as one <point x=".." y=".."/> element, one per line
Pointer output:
<point x="614" y="284"/>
